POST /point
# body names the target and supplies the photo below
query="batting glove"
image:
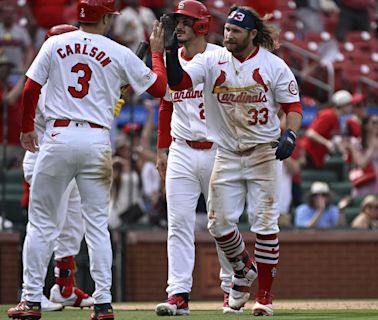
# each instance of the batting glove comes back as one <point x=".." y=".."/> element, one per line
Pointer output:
<point x="286" y="145"/>
<point x="169" y="23"/>
<point x="118" y="106"/>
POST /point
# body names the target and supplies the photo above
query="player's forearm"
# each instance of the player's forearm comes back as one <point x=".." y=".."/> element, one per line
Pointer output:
<point x="164" y="138"/>
<point x="178" y="79"/>
<point x="30" y="98"/>
<point x="294" y="121"/>
<point x="313" y="135"/>
<point x="159" y="87"/>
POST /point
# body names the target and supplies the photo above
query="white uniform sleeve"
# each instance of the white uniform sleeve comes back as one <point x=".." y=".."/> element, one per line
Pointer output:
<point x="286" y="89"/>
<point x="139" y="76"/>
<point x="39" y="69"/>
<point x="196" y="69"/>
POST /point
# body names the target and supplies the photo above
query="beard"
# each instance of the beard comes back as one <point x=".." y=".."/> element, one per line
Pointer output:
<point x="237" y="47"/>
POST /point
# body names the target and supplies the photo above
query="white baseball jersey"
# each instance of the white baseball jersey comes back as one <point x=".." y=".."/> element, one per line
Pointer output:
<point x="188" y="118"/>
<point x="40" y="127"/>
<point x="88" y="69"/>
<point x="241" y="98"/>
<point x="188" y="175"/>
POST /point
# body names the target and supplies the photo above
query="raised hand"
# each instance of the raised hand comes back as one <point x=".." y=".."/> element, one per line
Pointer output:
<point x="169" y="24"/>
<point x="157" y="38"/>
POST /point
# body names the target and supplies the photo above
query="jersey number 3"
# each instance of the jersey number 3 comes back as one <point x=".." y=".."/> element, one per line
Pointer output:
<point x="83" y="80"/>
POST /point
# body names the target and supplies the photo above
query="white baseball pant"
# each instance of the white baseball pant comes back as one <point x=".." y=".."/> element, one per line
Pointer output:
<point x="188" y="174"/>
<point x="253" y="177"/>
<point x="84" y="153"/>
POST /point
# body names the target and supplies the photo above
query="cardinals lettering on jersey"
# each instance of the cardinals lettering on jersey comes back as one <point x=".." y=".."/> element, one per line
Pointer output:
<point x="229" y="95"/>
<point x="178" y="96"/>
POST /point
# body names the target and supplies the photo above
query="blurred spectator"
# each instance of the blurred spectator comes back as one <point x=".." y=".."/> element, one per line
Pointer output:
<point x="126" y="201"/>
<point x="290" y="180"/>
<point x="262" y="7"/>
<point x="318" y="137"/>
<point x="368" y="217"/>
<point x="157" y="6"/>
<point x="359" y="111"/>
<point x="310" y="13"/>
<point x="44" y="14"/>
<point x="319" y="212"/>
<point x="10" y="109"/>
<point x="14" y="39"/>
<point x="133" y="25"/>
<point x="354" y="16"/>
<point x="365" y="157"/>
<point x="145" y="162"/>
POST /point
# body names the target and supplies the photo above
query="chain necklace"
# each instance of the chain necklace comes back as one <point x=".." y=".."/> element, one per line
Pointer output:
<point x="237" y="72"/>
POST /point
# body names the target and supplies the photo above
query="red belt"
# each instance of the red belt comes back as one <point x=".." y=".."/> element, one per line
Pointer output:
<point x="66" y="123"/>
<point x="198" y="144"/>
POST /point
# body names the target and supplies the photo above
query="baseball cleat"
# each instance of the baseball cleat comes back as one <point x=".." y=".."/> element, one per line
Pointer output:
<point x="25" y="310"/>
<point x="102" y="312"/>
<point x="78" y="298"/>
<point x="263" y="305"/>
<point x="239" y="293"/>
<point x="47" y="305"/>
<point x="176" y="305"/>
<point x="227" y="308"/>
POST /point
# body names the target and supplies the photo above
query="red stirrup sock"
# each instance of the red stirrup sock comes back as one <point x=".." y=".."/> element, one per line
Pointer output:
<point x="65" y="275"/>
<point x="266" y="255"/>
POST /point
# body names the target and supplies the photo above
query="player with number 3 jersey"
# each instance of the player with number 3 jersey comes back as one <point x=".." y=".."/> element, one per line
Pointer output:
<point x="83" y="71"/>
<point x="245" y="85"/>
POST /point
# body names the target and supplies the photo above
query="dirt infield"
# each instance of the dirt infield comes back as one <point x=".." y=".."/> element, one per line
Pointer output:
<point x="286" y="305"/>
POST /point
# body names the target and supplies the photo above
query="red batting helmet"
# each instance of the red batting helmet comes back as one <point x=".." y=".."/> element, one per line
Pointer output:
<point x="197" y="10"/>
<point x="91" y="11"/>
<point x="59" y="29"/>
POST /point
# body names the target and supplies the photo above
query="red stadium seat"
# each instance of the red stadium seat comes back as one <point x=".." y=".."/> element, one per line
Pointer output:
<point x="362" y="40"/>
<point x="317" y="37"/>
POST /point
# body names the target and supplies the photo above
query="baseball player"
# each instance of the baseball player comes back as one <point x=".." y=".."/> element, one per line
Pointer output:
<point x="64" y="292"/>
<point x="83" y="71"/>
<point x="182" y="129"/>
<point x="245" y="85"/>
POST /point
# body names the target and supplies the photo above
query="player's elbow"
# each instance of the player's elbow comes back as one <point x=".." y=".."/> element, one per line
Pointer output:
<point x="158" y="89"/>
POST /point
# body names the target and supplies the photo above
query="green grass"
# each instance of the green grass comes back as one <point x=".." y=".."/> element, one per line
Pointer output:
<point x="70" y="314"/>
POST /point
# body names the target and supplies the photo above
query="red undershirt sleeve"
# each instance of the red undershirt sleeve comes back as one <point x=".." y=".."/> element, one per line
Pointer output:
<point x="30" y="98"/>
<point x="164" y="138"/>
<point x="292" y="107"/>
<point x="186" y="83"/>
<point x="159" y="87"/>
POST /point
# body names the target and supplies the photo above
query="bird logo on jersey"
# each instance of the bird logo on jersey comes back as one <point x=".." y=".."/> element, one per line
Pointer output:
<point x="220" y="80"/>
<point x="257" y="77"/>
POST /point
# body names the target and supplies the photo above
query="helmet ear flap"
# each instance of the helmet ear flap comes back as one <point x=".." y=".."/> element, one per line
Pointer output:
<point x="201" y="26"/>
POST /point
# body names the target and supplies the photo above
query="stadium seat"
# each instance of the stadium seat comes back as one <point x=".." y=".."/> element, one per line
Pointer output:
<point x="317" y="37"/>
<point x="350" y="213"/>
<point x="14" y="175"/>
<point x="341" y="188"/>
<point x="319" y="175"/>
<point x="360" y="39"/>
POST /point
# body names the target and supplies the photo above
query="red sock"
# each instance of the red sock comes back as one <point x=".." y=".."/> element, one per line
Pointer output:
<point x="65" y="275"/>
<point x="266" y="256"/>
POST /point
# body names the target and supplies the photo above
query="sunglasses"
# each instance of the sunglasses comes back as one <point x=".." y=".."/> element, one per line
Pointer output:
<point x="372" y="206"/>
<point x="321" y="194"/>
